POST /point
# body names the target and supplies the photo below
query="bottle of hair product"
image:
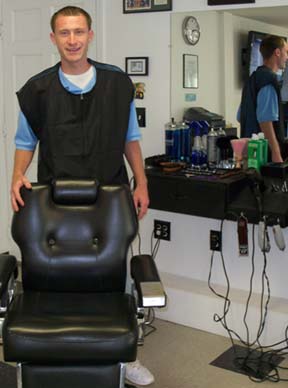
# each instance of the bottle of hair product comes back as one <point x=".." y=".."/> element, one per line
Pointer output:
<point x="212" y="153"/>
<point x="185" y="141"/>
<point x="196" y="149"/>
<point x="255" y="152"/>
<point x="177" y="143"/>
<point x="205" y="130"/>
<point x="169" y="137"/>
<point x="220" y="133"/>
<point x="264" y="142"/>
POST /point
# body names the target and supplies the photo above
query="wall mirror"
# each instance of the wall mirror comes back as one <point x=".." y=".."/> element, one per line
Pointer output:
<point x="223" y="35"/>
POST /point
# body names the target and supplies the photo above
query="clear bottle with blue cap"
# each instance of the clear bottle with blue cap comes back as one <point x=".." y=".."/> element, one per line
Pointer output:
<point x="169" y="138"/>
<point x="212" y="153"/>
<point x="185" y="141"/>
<point x="197" y="145"/>
<point x="205" y="130"/>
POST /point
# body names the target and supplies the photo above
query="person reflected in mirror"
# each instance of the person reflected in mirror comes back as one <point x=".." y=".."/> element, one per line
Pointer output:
<point x="261" y="108"/>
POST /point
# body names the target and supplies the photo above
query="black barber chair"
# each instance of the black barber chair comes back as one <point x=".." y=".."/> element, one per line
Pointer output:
<point x="73" y="325"/>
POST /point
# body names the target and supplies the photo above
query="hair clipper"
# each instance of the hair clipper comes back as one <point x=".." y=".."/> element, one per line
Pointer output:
<point x="278" y="236"/>
<point x="263" y="237"/>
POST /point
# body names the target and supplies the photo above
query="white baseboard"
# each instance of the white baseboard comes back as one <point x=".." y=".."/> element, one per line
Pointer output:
<point x="191" y="303"/>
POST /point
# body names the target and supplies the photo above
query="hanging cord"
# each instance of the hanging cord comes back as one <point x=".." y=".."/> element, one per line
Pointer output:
<point x="272" y="356"/>
<point x="252" y="356"/>
<point x="250" y="287"/>
<point x="258" y="367"/>
<point x="227" y="301"/>
<point x="155" y="247"/>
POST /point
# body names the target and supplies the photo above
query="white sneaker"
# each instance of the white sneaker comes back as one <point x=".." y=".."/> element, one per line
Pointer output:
<point x="138" y="374"/>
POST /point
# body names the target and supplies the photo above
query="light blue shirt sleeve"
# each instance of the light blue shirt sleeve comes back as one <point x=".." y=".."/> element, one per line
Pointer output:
<point x="267" y="104"/>
<point x="25" y="138"/>
<point x="133" y="132"/>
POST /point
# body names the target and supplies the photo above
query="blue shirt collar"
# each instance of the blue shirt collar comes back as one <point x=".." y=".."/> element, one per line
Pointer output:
<point x="70" y="87"/>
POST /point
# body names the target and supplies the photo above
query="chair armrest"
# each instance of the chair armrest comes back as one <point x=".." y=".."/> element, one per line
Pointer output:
<point x="147" y="281"/>
<point x="8" y="267"/>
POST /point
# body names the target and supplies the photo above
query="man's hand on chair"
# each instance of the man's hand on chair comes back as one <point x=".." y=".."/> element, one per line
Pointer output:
<point x="17" y="182"/>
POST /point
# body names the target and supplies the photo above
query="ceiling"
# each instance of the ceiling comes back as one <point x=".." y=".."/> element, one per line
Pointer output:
<point x="272" y="15"/>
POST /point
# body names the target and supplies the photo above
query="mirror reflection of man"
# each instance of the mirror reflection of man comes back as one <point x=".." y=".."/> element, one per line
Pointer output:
<point x="261" y="105"/>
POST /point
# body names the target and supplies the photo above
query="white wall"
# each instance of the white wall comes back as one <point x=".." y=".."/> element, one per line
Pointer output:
<point x="209" y="50"/>
<point x="143" y="35"/>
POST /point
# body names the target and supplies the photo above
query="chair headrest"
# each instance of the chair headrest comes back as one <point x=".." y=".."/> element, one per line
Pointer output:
<point x="74" y="192"/>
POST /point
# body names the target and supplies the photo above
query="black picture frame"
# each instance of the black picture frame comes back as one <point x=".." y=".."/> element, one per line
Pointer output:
<point x="133" y="6"/>
<point x="230" y="2"/>
<point x="137" y="66"/>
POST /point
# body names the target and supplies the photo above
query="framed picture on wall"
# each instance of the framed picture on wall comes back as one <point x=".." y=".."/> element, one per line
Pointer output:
<point x="132" y="6"/>
<point x="190" y="71"/>
<point x="136" y="65"/>
<point x="229" y="2"/>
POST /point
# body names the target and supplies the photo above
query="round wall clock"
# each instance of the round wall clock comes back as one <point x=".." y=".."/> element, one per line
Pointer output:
<point x="191" y="30"/>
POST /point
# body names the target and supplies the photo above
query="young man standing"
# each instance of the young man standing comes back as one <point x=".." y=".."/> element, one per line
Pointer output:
<point x="261" y="105"/>
<point x="83" y="116"/>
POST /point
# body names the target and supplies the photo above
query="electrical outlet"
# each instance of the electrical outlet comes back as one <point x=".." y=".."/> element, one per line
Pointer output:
<point x="215" y="240"/>
<point x="162" y="230"/>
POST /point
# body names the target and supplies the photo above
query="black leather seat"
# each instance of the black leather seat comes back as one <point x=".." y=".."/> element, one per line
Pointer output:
<point x="74" y="325"/>
<point x="77" y="328"/>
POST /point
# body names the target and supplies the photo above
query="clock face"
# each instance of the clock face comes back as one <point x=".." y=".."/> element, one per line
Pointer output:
<point x="191" y="30"/>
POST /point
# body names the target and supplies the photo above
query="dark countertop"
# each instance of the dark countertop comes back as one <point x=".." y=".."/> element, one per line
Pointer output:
<point x="215" y="196"/>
